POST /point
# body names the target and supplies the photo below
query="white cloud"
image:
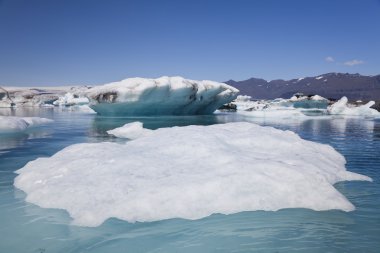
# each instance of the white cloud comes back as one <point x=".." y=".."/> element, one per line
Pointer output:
<point x="329" y="59"/>
<point x="353" y="62"/>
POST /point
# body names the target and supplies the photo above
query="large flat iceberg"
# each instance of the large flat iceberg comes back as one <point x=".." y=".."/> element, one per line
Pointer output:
<point x="161" y="96"/>
<point x="188" y="172"/>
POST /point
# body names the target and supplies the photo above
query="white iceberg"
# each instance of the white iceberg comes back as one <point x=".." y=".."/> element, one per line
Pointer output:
<point x="13" y="124"/>
<point x="130" y="131"/>
<point x="243" y="98"/>
<point x="318" y="98"/>
<point x="341" y="107"/>
<point x="188" y="172"/>
<point x="70" y="99"/>
<point x="280" y="107"/>
<point x="42" y="96"/>
<point x="161" y="96"/>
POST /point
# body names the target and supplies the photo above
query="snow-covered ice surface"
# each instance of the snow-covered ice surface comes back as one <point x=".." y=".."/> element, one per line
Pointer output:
<point x="161" y="96"/>
<point x="188" y="172"/>
<point x="131" y="131"/>
<point x="13" y="124"/>
<point x="341" y="107"/>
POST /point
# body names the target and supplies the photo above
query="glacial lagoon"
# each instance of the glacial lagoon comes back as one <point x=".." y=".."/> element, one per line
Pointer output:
<point x="296" y="230"/>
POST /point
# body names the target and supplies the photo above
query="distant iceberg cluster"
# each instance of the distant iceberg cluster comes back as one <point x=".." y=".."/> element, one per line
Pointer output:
<point x="187" y="172"/>
<point x="300" y="106"/>
<point x="161" y="96"/>
<point x="69" y="99"/>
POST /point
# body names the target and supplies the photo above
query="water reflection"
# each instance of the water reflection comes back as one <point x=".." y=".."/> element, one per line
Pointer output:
<point x="14" y="140"/>
<point x="283" y="231"/>
<point x="100" y="125"/>
<point x="28" y="112"/>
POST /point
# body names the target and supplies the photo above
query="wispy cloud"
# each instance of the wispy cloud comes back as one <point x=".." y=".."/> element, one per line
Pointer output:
<point x="329" y="59"/>
<point x="353" y="62"/>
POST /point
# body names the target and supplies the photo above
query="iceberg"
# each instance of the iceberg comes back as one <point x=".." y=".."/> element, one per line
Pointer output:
<point x="341" y="107"/>
<point x="309" y="102"/>
<point x="188" y="172"/>
<point x="297" y="106"/>
<point x="70" y="99"/>
<point x="130" y="131"/>
<point x="13" y="124"/>
<point x="42" y="96"/>
<point x="161" y="96"/>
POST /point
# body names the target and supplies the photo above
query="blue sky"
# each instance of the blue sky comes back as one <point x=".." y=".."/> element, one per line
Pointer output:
<point x="52" y="42"/>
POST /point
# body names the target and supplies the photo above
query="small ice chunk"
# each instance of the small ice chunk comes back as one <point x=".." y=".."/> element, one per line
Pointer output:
<point x="341" y="107"/>
<point x="131" y="131"/>
<point x="243" y="98"/>
<point x="318" y="98"/>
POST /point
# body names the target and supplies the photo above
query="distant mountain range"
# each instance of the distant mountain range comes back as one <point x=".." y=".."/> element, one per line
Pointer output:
<point x="330" y="85"/>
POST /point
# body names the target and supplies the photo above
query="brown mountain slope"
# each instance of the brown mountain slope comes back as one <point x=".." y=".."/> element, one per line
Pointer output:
<point x="330" y="85"/>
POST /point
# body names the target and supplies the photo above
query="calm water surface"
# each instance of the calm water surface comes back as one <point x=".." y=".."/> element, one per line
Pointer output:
<point x="25" y="227"/>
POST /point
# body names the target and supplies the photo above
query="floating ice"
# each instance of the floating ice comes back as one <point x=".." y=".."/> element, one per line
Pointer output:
<point x="131" y="131"/>
<point x="161" y="96"/>
<point x="70" y="99"/>
<point x="279" y="113"/>
<point x="341" y="107"/>
<point x="243" y="98"/>
<point x="42" y="96"/>
<point x="188" y="172"/>
<point x="280" y="107"/>
<point x="308" y="102"/>
<point x="318" y="98"/>
<point x="11" y="124"/>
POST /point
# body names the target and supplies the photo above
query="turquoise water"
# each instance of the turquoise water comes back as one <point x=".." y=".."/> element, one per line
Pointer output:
<point x="25" y="227"/>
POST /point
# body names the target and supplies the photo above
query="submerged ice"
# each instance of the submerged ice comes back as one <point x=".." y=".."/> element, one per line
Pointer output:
<point x="188" y="172"/>
<point x="161" y="96"/>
